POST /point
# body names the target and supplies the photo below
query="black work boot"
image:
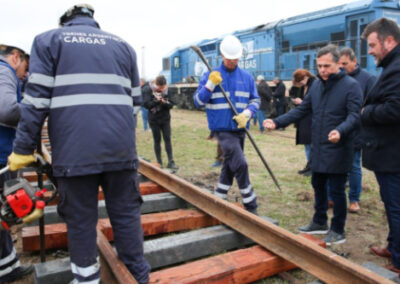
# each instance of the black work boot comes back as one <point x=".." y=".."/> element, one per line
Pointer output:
<point x="306" y="170"/>
<point x="171" y="165"/>
<point x="17" y="273"/>
<point x="252" y="210"/>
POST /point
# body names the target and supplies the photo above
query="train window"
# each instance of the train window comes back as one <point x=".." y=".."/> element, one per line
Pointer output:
<point x="306" y="62"/>
<point x="176" y="62"/>
<point x="353" y="45"/>
<point x="362" y="28"/>
<point x="166" y="63"/>
<point x="353" y="28"/>
<point x="363" y="62"/>
<point x="208" y="47"/>
<point x="338" y="38"/>
<point x="363" y="47"/>
<point x="300" y="47"/>
<point x="285" y="46"/>
<point x="318" y="44"/>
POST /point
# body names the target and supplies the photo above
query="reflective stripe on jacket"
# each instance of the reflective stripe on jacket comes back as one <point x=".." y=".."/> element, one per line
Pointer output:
<point x="7" y="134"/>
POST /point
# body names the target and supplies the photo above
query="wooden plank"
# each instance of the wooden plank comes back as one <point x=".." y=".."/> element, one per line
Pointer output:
<point x="151" y="188"/>
<point x="113" y="269"/>
<point x="240" y="266"/>
<point x="324" y="264"/>
<point x="31" y="176"/>
<point x="153" y="224"/>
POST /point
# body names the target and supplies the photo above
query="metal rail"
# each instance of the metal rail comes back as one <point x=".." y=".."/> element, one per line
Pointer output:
<point x="324" y="264"/>
<point x="113" y="269"/>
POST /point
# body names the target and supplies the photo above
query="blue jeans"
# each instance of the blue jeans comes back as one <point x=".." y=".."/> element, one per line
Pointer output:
<point x="307" y="149"/>
<point x="389" y="184"/>
<point x="355" y="177"/>
<point x="280" y="109"/>
<point x="261" y="118"/>
<point x="254" y="120"/>
<point x="145" y="117"/>
<point x="336" y="183"/>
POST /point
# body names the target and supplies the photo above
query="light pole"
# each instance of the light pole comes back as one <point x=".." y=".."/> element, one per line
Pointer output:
<point x="143" y="63"/>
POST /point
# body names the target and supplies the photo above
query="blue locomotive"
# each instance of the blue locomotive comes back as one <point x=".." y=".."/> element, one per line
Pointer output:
<point x="277" y="49"/>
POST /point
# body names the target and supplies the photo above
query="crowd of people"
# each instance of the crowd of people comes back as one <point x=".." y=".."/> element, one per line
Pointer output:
<point x="354" y="114"/>
<point x="342" y="114"/>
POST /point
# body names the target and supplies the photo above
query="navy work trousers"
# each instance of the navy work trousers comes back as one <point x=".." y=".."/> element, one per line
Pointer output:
<point x="78" y="206"/>
<point x="389" y="184"/>
<point x="235" y="165"/>
<point x="337" y="184"/>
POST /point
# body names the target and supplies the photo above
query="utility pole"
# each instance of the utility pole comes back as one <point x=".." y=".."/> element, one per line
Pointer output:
<point x="143" y="63"/>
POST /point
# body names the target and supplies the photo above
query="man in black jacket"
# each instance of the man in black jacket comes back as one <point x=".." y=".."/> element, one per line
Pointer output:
<point x="265" y="93"/>
<point x="334" y="102"/>
<point x="348" y="61"/>
<point x="157" y="101"/>
<point x="279" y="98"/>
<point x="380" y="118"/>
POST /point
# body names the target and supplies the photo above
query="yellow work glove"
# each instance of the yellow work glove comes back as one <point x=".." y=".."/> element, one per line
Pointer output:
<point x="18" y="161"/>
<point x="242" y="118"/>
<point x="214" y="79"/>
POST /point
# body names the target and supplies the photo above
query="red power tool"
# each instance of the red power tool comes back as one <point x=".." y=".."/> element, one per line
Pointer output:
<point x="20" y="202"/>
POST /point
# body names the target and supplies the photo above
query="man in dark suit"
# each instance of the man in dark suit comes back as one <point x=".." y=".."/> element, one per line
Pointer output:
<point x="334" y="100"/>
<point x="380" y="118"/>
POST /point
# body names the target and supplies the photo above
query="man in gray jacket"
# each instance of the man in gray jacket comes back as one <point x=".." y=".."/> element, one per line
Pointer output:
<point x="13" y="68"/>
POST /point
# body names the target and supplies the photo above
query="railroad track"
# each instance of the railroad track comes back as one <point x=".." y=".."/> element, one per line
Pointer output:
<point x="204" y="228"/>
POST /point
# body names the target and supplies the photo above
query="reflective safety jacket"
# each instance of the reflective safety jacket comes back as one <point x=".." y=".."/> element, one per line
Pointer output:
<point x="10" y="91"/>
<point x="239" y="85"/>
<point x="86" y="81"/>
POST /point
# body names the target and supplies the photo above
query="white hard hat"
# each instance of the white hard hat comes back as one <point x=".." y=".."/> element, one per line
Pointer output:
<point x="79" y="9"/>
<point x="260" y="77"/>
<point x="231" y="48"/>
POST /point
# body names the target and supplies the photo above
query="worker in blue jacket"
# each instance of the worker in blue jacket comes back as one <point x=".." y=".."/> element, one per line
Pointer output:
<point x="13" y="69"/>
<point x="86" y="82"/>
<point x="334" y="101"/>
<point x="241" y="89"/>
